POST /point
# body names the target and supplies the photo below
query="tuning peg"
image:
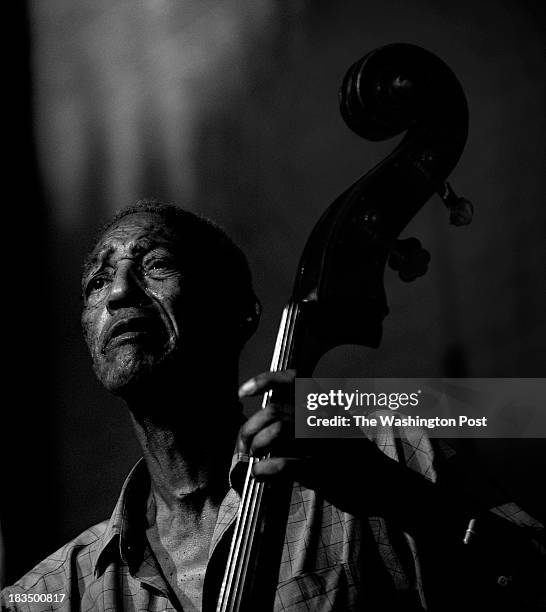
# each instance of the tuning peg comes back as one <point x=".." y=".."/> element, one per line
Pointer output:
<point x="409" y="259"/>
<point x="461" y="210"/>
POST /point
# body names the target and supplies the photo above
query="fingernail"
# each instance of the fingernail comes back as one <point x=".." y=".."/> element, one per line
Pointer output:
<point x="247" y="388"/>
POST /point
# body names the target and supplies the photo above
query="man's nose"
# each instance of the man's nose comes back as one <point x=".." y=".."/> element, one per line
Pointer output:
<point x="126" y="289"/>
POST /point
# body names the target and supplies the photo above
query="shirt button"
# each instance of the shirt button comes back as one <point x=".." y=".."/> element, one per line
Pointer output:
<point x="504" y="580"/>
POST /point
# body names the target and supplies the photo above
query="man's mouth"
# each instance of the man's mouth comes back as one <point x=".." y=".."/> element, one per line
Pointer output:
<point x="134" y="330"/>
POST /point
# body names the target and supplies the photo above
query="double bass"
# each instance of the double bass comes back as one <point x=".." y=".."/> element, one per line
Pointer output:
<point x="338" y="295"/>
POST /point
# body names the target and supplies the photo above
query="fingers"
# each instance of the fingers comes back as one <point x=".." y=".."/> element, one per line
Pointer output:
<point x="276" y="381"/>
<point x="266" y="428"/>
<point x="276" y="467"/>
<point x="275" y="438"/>
<point x="273" y="425"/>
<point x="257" y="421"/>
<point x="281" y="468"/>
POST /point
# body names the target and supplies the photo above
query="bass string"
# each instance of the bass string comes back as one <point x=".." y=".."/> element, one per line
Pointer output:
<point x="249" y="511"/>
<point x="258" y="488"/>
<point x="238" y="561"/>
<point x="255" y="488"/>
<point x="228" y="596"/>
<point x="252" y="508"/>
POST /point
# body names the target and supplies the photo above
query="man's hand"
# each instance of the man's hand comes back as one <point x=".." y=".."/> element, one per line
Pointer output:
<point x="271" y="430"/>
<point x="352" y="473"/>
<point x="328" y="466"/>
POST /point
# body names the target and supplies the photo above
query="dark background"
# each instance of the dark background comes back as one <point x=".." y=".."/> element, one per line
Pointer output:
<point x="230" y="109"/>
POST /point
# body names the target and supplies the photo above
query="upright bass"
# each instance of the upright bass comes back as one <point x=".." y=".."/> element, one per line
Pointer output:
<point x="338" y="295"/>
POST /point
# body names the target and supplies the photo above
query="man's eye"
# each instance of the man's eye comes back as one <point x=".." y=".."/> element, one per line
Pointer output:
<point x="95" y="284"/>
<point x="159" y="266"/>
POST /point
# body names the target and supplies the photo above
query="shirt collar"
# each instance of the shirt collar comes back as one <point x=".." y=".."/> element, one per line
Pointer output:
<point x="125" y="531"/>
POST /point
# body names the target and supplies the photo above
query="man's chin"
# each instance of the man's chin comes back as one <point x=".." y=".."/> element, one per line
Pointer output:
<point x="128" y="372"/>
<point x="126" y="385"/>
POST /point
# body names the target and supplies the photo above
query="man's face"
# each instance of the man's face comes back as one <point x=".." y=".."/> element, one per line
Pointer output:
<point x="133" y="294"/>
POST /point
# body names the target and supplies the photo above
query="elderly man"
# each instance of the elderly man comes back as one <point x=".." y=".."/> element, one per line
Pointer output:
<point x="168" y="305"/>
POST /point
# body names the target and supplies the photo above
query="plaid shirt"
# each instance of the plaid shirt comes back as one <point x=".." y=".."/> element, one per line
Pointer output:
<point x="331" y="560"/>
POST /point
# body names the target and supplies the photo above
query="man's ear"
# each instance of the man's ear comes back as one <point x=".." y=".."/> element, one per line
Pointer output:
<point x="251" y="319"/>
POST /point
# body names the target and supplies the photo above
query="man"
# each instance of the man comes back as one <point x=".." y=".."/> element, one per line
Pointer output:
<point x="168" y="305"/>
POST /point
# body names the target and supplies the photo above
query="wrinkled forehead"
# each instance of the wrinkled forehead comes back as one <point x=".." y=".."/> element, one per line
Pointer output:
<point x="134" y="227"/>
<point x="134" y="233"/>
